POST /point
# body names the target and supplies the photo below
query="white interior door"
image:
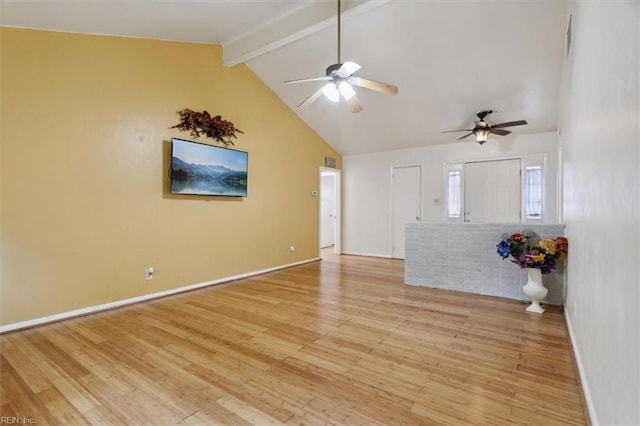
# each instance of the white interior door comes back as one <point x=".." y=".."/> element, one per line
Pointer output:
<point x="406" y="204"/>
<point x="327" y="210"/>
<point x="492" y="192"/>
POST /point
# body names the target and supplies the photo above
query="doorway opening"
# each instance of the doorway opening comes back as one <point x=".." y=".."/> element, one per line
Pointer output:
<point x="330" y="211"/>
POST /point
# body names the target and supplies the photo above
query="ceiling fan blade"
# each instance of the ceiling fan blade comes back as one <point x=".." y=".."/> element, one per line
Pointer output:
<point x="499" y="132"/>
<point x="354" y="103"/>
<point x="453" y="131"/>
<point x="465" y="136"/>
<point x="374" y="85"/>
<point x="510" y="124"/>
<point x="311" y="99"/>
<point x="304" y="80"/>
<point x="347" y="69"/>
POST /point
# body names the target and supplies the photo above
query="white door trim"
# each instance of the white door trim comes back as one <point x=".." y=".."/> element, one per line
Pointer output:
<point x="338" y="193"/>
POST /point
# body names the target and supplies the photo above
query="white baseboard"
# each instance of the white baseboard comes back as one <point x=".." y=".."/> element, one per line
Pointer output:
<point x="366" y="254"/>
<point x="138" y="299"/>
<point x="583" y="378"/>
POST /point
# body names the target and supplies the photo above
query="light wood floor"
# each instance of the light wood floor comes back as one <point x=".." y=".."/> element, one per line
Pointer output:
<point x="342" y="341"/>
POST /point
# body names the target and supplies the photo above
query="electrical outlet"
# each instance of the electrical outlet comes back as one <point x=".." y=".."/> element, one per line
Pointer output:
<point x="292" y="249"/>
<point x="148" y="273"/>
<point x="437" y="201"/>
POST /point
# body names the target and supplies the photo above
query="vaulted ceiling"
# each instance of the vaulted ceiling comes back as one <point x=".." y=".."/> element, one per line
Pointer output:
<point x="450" y="59"/>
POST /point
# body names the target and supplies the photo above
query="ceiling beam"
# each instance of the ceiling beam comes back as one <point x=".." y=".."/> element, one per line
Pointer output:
<point x="302" y="22"/>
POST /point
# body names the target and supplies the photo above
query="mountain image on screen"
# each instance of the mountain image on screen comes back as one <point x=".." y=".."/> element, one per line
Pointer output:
<point x="204" y="179"/>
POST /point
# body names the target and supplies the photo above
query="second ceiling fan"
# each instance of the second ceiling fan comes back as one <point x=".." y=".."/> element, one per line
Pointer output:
<point x="482" y="129"/>
<point x="340" y="81"/>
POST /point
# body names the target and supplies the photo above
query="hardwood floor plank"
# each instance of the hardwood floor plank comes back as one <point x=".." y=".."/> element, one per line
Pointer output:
<point x="342" y="341"/>
<point x="246" y="411"/>
<point x="60" y="408"/>
<point x="27" y="371"/>
<point x="69" y="387"/>
<point x="20" y="398"/>
<point x="110" y="399"/>
<point x="268" y="401"/>
<point x="187" y="391"/>
<point x="215" y="415"/>
<point x="104" y="368"/>
<point x="330" y="412"/>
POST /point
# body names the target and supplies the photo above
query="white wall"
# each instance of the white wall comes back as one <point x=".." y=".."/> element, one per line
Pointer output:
<point x="600" y="162"/>
<point x="367" y="184"/>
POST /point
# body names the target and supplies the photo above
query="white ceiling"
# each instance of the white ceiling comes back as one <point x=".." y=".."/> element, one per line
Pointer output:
<point x="202" y="21"/>
<point x="450" y="59"/>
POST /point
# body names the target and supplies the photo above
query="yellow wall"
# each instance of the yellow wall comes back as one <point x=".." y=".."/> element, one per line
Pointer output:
<point x="85" y="195"/>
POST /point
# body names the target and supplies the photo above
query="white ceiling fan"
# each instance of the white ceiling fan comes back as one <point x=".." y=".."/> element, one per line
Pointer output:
<point x="340" y="81"/>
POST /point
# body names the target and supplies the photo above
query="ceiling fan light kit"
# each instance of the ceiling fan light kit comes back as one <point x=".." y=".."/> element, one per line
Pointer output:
<point x="481" y="135"/>
<point x="346" y="90"/>
<point x="333" y="91"/>
<point x="340" y="81"/>
<point x="482" y="129"/>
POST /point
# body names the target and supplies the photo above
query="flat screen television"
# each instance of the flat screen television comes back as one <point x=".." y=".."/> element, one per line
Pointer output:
<point x="200" y="169"/>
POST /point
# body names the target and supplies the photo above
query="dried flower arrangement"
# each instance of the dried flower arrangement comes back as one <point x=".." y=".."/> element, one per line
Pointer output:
<point x="543" y="256"/>
<point x="199" y="123"/>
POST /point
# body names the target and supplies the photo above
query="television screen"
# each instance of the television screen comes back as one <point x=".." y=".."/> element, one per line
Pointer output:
<point x="201" y="169"/>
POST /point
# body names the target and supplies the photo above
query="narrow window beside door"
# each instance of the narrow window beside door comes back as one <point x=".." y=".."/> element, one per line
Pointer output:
<point x="454" y="206"/>
<point x="533" y="192"/>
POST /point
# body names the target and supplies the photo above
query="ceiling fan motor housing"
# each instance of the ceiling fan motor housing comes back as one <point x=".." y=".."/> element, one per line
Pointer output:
<point x="482" y="114"/>
<point x="332" y="70"/>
